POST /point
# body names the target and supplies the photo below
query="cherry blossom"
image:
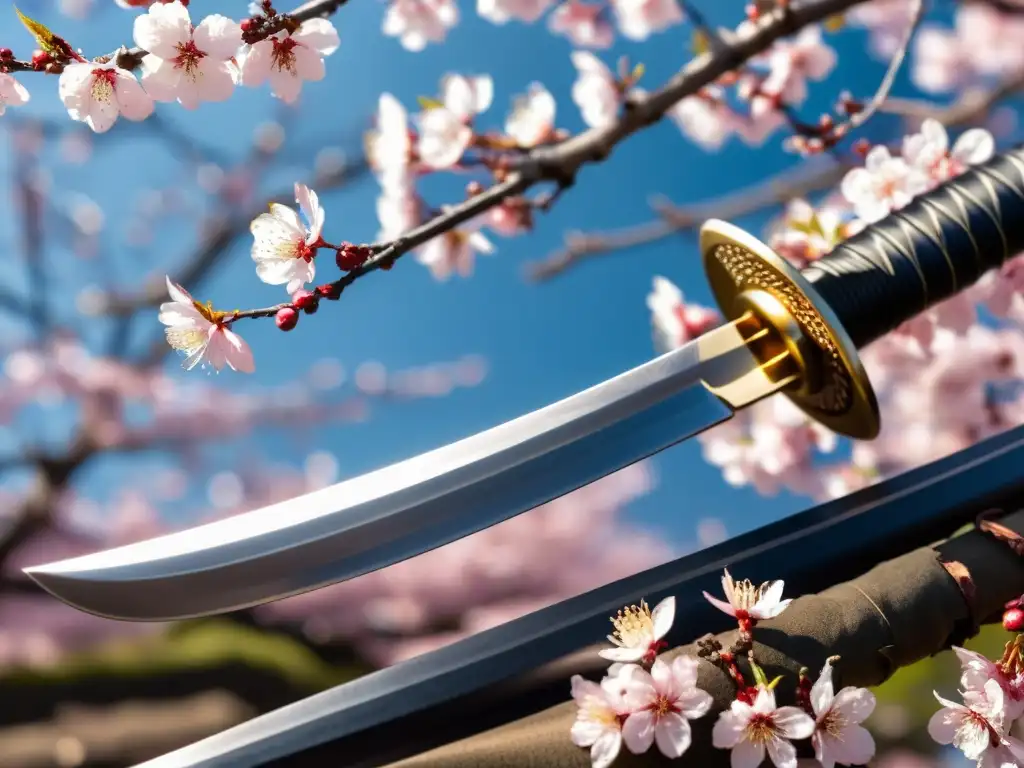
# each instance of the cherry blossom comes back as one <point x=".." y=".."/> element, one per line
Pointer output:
<point x="585" y="24"/>
<point x="839" y="736"/>
<point x="390" y="148"/>
<point x="289" y="59"/>
<point x="887" y="20"/>
<point x="418" y="22"/>
<point x="187" y="64"/>
<point x="674" y="321"/>
<point x="201" y="334"/>
<point x="884" y="184"/>
<point x="454" y="251"/>
<point x="96" y="94"/>
<point x="662" y="702"/>
<point x="445" y="132"/>
<point x="398" y="211"/>
<point x="749" y="603"/>
<point x="598" y="722"/>
<point x="504" y="11"/>
<point x="806" y="234"/>
<point x="638" y="631"/>
<point x="639" y="19"/>
<point x="978" y="730"/>
<point x="284" y="247"/>
<point x="748" y="730"/>
<point x="12" y="93"/>
<point x="532" y="120"/>
<point x="705" y="117"/>
<point x="596" y="91"/>
<point x="793" y="62"/>
<point x="929" y="151"/>
<point x="978" y="670"/>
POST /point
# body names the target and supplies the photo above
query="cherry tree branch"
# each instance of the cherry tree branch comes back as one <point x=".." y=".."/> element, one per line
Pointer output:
<point x="678" y="219"/>
<point x="560" y="163"/>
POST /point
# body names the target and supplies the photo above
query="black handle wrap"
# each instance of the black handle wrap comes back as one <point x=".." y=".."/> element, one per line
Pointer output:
<point x="935" y="247"/>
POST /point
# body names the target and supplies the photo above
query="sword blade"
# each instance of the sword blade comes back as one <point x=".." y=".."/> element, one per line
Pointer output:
<point x="476" y="683"/>
<point x="386" y="516"/>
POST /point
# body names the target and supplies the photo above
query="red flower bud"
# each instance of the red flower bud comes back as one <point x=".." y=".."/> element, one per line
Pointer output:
<point x="6" y="53"/>
<point x="351" y="256"/>
<point x="1013" y="620"/>
<point x="246" y="25"/>
<point x="307" y="301"/>
<point x="40" y="59"/>
<point x="329" y="291"/>
<point x="286" y="318"/>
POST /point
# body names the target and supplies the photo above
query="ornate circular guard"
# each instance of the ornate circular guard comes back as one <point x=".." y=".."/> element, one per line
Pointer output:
<point x="834" y="389"/>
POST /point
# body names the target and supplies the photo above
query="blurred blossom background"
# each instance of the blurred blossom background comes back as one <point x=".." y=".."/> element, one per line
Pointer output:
<point x="104" y="439"/>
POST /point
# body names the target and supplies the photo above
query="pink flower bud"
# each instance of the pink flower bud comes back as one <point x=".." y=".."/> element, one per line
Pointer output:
<point x="286" y="318"/>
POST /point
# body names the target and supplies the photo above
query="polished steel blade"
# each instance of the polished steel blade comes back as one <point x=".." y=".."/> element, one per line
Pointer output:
<point x="403" y="510"/>
<point x="473" y="684"/>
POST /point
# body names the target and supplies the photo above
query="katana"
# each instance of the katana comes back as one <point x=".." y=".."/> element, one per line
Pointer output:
<point x="787" y="330"/>
<point x="524" y="666"/>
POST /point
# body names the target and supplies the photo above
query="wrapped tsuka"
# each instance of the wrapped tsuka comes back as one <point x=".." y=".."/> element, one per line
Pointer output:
<point x="897" y="613"/>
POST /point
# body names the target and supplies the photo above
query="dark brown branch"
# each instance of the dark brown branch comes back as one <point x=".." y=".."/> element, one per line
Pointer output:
<point x="900" y="612"/>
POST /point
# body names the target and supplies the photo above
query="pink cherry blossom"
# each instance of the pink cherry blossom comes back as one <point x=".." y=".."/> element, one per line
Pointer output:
<point x="839" y="736"/>
<point x="585" y="24"/>
<point x="977" y="670"/>
<point x="445" y="132"/>
<point x="705" y="117"/>
<point x="978" y="730"/>
<point x="884" y="184"/>
<point x="12" y="93"/>
<point x="638" y="631"/>
<point x="662" y="702"/>
<point x="455" y="250"/>
<point x="929" y="151"/>
<point x="599" y="717"/>
<point x="289" y="59"/>
<point x="96" y="94"/>
<point x="187" y="64"/>
<point x="674" y="321"/>
<point x="748" y="730"/>
<point x="532" y="120"/>
<point x="202" y="334"/>
<point x="284" y="248"/>
<point x="887" y="20"/>
<point x="596" y="91"/>
<point x="504" y="11"/>
<point x="390" y="148"/>
<point x="747" y="602"/>
<point x="639" y="19"/>
<point x="398" y="211"/>
<point x="805" y="234"/>
<point x="791" y="63"/>
<point x="418" y="22"/>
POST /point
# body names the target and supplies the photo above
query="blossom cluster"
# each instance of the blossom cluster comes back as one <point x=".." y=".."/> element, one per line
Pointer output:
<point x="185" y="63"/>
<point x="646" y="699"/>
<point x="943" y="355"/>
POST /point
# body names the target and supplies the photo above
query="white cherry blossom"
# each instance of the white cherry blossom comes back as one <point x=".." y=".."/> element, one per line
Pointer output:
<point x="929" y="151"/>
<point x="639" y="19"/>
<point x="200" y="333"/>
<point x="398" y="211"/>
<point x="661" y="703"/>
<point x="793" y="62"/>
<point x="390" y="147"/>
<point x="585" y="24"/>
<point x="596" y="91"/>
<point x="284" y="247"/>
<point x="598" y="722"/>
<point x="418" y="22"/>
<point x="95" y="94"/>
<point x="978" y="729"/>
<point x="977" y="670"/>
<point x="839" y="736"/>
<point x="884" y="184"/>
<point x="748" y="730"/>
<point x="639" y="630"/>
<point x="12" y="93"/>
<point x="806" y="234"/>
<point x="286" y="60"/>
<point x="532" y="120"/>
<point x="187" y="64"/>
<point x="445" y="131"/>
<point x="705" y="117"/>
<point x="674" y="321"/>
<point x="745" y="601"/>
<point x="455" y="250"/>
<point x="504" y="11"/>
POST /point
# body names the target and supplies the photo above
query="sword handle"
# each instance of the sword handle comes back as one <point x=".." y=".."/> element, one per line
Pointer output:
<point x="926" y="252"/>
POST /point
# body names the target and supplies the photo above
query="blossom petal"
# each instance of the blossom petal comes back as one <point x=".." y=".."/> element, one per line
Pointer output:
<point x="943" y="725"/>
<point x="285" y="86"/>
<point x="684" y="669"/>
<point x="218" y="36"/>
<point x="132" y="100"/>
<point x="177" y="293"/>
<point x="856" y="747"/>
<point x="672" y="735"/>
<point x="794" y="723"/>
<point x="782" y="753"/>
<point x="318" y="34"/>
<point x="309" y="64"/>
<point x="605" y="749"/>
<point x="720" y="604"/>
<point x="855" y="704"/>
<point x="215" y="82"/>
<point x="822" y="692"/>
<point x="289" y="218"/>
<point x="240" y="356"/>
<point x="255" y="67"/>
<point x="694" y="703"/>
<point x="621" y="654"/>
<point x="748" y="754"/>
<point x="160" y="78"/>
<point x="974" y="146"/>
<point x="729" y="729"/>
<point x="663" y="615"/>
<point x="162" y="29"/>
<point x="638" y="732"/>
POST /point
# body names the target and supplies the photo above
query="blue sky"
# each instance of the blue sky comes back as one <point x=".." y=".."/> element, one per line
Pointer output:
<point x="542" y="342"/>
